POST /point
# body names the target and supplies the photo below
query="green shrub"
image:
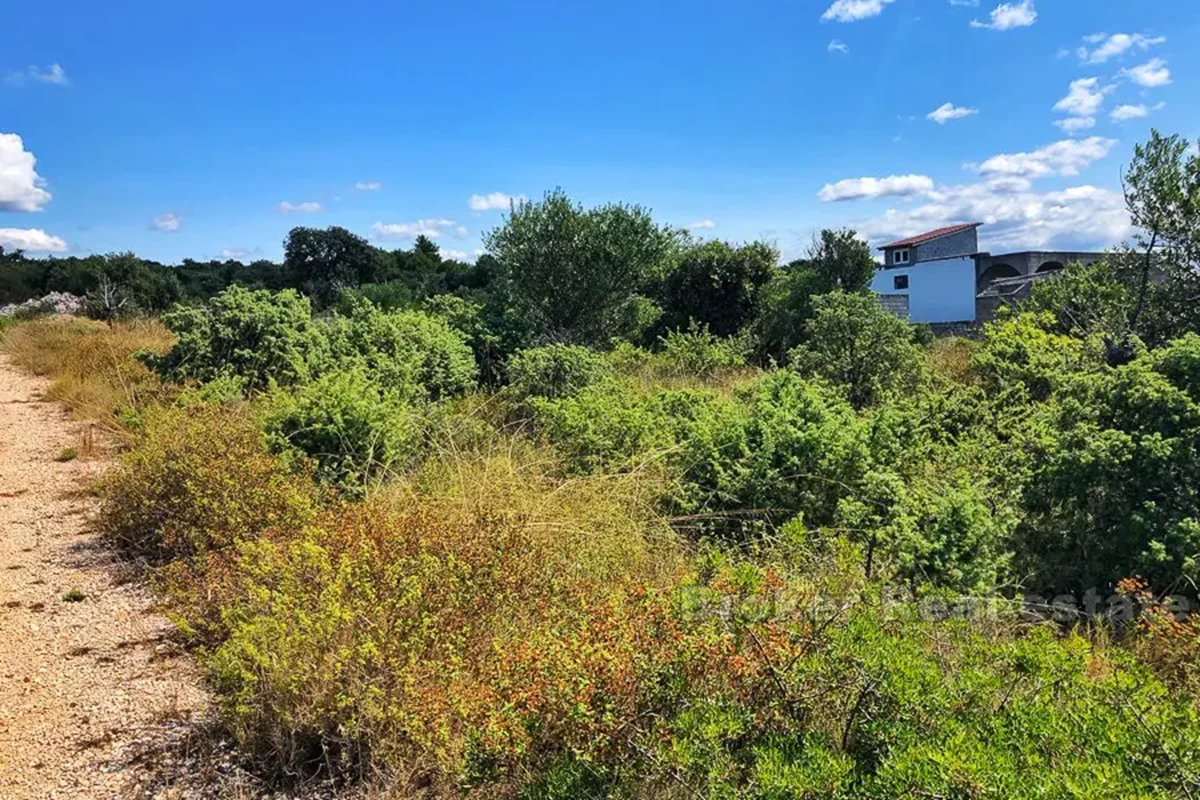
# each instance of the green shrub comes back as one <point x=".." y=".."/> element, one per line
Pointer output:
<point x="855" y="344"/>
<point x="602" y="426"/>
<point x="198" y="479"/>
<point x="257" y="335"/>
<point x="411" y="353"/>
<point x="1022" y="352"/>
<point x="354" y="430"/>
<point x="552" y="372"/>
<point x="699" y="352"/>
<point x="1116" y="462"/>
<point x="806" y="449"/>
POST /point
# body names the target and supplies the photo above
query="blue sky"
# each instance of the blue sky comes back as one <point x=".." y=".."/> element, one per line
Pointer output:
<point x="179" y="130"/>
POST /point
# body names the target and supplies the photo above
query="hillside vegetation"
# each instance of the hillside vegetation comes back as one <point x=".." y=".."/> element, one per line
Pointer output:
<point x="616" y="513"/>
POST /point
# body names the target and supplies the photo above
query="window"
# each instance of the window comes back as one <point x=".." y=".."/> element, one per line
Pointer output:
<point x="900" y="282"/>
<point x="900" y="256"/>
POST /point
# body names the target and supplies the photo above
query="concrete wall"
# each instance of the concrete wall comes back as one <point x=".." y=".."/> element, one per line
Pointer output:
<point x="938" y="291"/>
<point x="963" y="243"/>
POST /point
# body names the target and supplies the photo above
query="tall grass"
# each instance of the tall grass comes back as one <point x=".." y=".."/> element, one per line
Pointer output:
<point x="90" y="364"/>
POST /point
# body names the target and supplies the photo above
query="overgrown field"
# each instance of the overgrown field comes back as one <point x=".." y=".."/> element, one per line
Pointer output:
<point x="693" y="532"/>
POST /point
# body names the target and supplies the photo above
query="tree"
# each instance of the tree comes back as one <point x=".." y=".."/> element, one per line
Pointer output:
<point x="321" y="262"/>
<point x="1162" y="268"/>
<point x="717" y="284"/>
<point x="841" y="260"/>
<point x="836" y="260"/>
<point x="856" y="344"/>
<point x="579" y="275"/>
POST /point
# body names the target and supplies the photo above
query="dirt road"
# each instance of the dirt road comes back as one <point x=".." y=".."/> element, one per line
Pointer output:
<point x="88" y="673"/>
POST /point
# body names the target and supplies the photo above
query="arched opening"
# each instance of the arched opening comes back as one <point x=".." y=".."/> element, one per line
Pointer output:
<point x="1050" y="266"/>
<point x="994" y="273"/>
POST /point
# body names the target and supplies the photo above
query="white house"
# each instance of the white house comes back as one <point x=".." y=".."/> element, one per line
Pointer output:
<point x="941" y="276"/>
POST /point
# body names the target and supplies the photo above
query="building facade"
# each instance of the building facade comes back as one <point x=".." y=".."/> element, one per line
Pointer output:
<point x="941" y="276"/>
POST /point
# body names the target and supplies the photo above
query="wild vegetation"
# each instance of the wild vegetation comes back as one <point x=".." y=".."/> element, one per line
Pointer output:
<point x="614" y="512"/>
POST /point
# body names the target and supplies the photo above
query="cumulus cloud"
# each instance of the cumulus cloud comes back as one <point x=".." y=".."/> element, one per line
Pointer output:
<point x="308" y="207"/>
<point x="1106" y="47"/>
<point x="1009" y="15"/>
<point x="854" y="10"/>
<point x="1066" y="157"/>
<point x="458" y="255"/>
<point x="1128" y="112"/>
<point x="1152" y="74"/>
<point x="1084" y="97"/>
<point x="33" y="240"/>
<point x="837" y="46"/>
<point x="167" y="223"/>
<point x="368" y="186"/>
<point x="1014" y="216"/>
<point x="948" y="111"/>
<point x="20" y="185"/>
<point x="235" y="253"/>
<point x="53" y="74"/>
<point x="702" y="225"/>
<point x="871" y="188"/>
<point x="429" y="228"/>
<point x="494" y="201"/>
<point x="1073" y="125"/>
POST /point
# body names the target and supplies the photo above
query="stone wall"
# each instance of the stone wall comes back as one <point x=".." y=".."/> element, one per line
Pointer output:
<point x="963" y="243"/>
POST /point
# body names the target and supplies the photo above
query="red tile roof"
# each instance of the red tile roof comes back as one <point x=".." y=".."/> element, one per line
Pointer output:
<point x="937" y="233"/>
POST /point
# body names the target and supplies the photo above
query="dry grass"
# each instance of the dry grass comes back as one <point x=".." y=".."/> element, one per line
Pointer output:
<point x="91" y="365"/>
<point x="951" y="358"/>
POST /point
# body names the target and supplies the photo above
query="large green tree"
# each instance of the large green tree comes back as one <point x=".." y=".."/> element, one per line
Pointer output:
<point x="323" y="261"/>
<point x="717" y="284"/>
<point x="836" y="260"/>
<point x="576" y="274"/>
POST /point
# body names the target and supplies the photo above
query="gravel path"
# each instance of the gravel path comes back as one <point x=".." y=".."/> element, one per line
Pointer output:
<point x="90" y="679"/>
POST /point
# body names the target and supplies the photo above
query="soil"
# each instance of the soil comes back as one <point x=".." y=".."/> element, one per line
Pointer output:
<point x="92" y="680"/>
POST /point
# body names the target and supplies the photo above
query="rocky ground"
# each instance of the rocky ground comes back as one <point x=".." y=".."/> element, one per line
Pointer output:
<point x="95" y="692"/>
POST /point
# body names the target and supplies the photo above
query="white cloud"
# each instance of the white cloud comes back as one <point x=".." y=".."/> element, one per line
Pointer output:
<point x="1009" y="15"/>
<point x="854" y="10"/>
<point x="20" y="185"/>
<point x="494" y="201"/>
<point x="871" y="188"/>
<point x="167" y="223"/>
<point x="948" y="111"/>
<point x="430" y="228"/>
<point x="1128" y="112"/>
<point x="1115" y="45"/>
<point x="235" y="253"/>
<point x="1084" y="97"/>
<point x="972" y="3"/>
<point x="702" y="225"/>
<point x="458" y="255"/>
<point x="304" y="208"/>
<point x="368" y="186"/>
<point x="33" y="240"/>
<point x="53" y="74"/>
<point x="1066" y="157"/>
<point x="1072" y="125"/>
<point x="837" y="46"/>
<point x="1152" y="74"/>
<point x="1015" y="217"/>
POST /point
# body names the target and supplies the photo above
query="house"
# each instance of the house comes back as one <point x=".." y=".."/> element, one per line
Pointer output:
<point x="941" y="276"/>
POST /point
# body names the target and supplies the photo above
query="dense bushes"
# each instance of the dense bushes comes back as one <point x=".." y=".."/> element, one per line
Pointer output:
<point x="354" y="429"/>
<point x="258" y="336"/>
<point x="553" y="372"/>
<point x="412" y="353"/>
<point x="199" y="480"/>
